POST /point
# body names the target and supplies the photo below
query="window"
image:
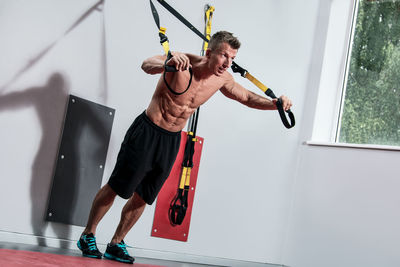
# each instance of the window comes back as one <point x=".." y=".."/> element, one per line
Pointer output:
<point x="370" y="109"/>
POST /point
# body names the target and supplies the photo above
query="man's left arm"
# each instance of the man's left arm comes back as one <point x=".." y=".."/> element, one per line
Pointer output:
<point x="235" y="91"/>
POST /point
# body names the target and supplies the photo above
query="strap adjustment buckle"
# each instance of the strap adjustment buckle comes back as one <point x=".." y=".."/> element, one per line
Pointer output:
<point x="163" y="37"/>
<point x="236" y="68"/>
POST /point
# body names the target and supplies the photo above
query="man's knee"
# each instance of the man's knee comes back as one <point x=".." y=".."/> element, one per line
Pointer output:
<point x="138" y="200"/>
<point x="107" y="194"/>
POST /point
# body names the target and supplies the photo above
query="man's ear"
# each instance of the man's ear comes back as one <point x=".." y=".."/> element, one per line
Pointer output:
<point x="208" y="53"/>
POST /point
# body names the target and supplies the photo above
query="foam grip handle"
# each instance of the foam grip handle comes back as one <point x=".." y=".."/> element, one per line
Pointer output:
<point x="283" y="115"/>
<point x="169" y="68"/>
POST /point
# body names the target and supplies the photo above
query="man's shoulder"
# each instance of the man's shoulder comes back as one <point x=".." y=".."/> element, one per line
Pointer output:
<point x="194" y="58"/>
<point x="226" y="80"/>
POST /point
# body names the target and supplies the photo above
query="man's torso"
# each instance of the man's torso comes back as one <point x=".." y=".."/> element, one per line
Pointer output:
<point x="171" y="111"/>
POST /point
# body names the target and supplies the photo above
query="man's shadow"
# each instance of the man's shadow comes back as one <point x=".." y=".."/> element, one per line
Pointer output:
<point x="49" y="102"/>
<point x="87" y="130"/>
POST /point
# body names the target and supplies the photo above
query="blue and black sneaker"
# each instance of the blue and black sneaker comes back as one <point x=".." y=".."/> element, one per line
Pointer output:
<point x="119" y="253"/>
<point x="87" y="243"/>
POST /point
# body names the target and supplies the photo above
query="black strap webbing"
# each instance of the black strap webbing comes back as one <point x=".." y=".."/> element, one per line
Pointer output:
<point x="281" y="111"/>
<point x="182" y="19"/>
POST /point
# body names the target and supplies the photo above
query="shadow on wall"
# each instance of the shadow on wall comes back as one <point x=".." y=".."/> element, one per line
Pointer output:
<point x="98" y="6"/>
<point x="49" y="102"/>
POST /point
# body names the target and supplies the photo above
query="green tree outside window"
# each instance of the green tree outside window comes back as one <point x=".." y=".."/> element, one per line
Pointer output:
<point x="371" y="106"/>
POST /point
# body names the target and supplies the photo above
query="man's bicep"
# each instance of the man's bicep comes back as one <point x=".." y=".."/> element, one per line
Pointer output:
<point x="235" y="91"/>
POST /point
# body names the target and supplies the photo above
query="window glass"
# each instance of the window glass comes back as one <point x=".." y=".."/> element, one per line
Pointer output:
<point x="370" y="112"/>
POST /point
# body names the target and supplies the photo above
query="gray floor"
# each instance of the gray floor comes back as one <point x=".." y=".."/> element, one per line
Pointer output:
<point x="142" y="260"/>
<point x="70" y="252"/>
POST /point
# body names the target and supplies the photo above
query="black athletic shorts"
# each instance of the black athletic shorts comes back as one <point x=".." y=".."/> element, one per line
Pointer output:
<point x="145" y="160"/>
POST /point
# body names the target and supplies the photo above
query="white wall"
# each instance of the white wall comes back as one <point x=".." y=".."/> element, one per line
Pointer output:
<point x="346" y="209"/>
<point x="345" y="206"/>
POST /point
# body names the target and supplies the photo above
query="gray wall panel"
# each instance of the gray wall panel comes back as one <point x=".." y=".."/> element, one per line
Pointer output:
<point x="81" y="159"/>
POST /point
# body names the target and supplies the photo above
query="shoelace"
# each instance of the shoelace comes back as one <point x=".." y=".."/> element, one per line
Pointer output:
<point x="91" y="241"/>
<point x="123" y="247"/>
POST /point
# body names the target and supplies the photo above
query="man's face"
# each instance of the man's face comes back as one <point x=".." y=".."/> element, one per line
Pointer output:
<point x="221" y="59"/>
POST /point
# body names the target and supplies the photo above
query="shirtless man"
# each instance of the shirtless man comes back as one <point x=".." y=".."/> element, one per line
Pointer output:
<point x="152" y="142"/>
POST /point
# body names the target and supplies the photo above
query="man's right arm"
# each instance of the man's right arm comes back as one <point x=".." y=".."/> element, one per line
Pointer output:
<point x="235" y="91"/>
<point x="155" y="65"/>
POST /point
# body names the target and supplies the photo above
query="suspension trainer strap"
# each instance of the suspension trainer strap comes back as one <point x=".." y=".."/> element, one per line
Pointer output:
<point x="236" y="68"/>
<point x="179" y="204"/>
<point x="165" y="44"/>
<point x="268" y="92"/>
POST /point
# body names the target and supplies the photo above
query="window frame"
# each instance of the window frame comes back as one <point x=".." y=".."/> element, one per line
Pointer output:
<point x="333" y="78"/>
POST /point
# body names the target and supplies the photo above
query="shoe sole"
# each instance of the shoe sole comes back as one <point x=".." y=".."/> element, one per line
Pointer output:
<point x="91" y="256"/>
<point x="87" y="255"/>
<point x="111" y="257"/>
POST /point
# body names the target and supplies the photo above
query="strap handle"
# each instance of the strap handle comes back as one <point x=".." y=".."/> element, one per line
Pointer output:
<point x="178" y="207"/>
<point x="281" y="111"/>
<point x="168" y="68"/>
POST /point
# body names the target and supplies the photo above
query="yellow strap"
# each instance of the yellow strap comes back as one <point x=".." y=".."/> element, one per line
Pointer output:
<point x="163" y="30"/>
<point x="256" y="82"/>
<point x="164" y="44"/>
<point x="194" y="139"/>
<point x="209" y="14"/>
<point x="183" y="177"/>
<point x="187" y="182"/>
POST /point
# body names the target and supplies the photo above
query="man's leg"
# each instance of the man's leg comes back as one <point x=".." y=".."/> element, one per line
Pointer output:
<point x="101" y="204"/>
<point x="130" y="214"/>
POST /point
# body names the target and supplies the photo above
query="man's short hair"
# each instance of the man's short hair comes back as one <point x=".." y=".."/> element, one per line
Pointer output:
<point x="223" y="37"/>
